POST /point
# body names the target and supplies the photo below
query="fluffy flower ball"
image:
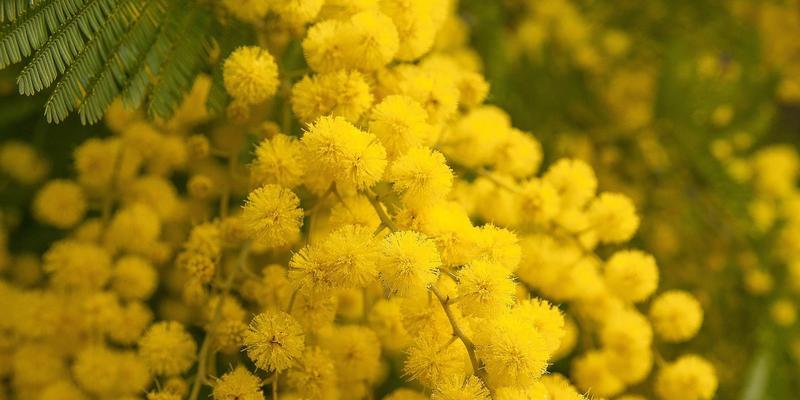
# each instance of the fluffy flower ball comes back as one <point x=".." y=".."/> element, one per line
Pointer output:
<point x="250" y="75"/>
<point x="690" y="377"/>
<point x="272" y="215"/>
<point x="167" y="348"/>
<point x="60" y="203"/>
<point x="676" y="316"/>
<point x="274" y="341"/>
<point x="631" y="275"/>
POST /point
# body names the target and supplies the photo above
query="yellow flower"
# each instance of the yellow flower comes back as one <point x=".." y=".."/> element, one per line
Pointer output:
<point x="338" y="94"/>
<point x="134" y="228"/>
<point x="372" y="40"/>
<point x="22" y="162"/>
<point x="545" y="318"/>
<point x="60" y="203"/>
<point x="430" y="360"/>
<point x="167" y="348"/>
<point x="238" y="384"/>
<point x="421" y="176"/>
<point x="690" y="377"/>
<point x="631" y="275"/>
<point x="315" y="377"/>
<point x="354" y="349"/>
<point x="613" y="217"/>
<point x="458" y="388"/>
<point x="250" y="75"/>
<point x="514" y="353"/>
<point x="574" y="180"/>
<point x="592" y="372"/>
<point x="274" y="341"/>
<point x="272" y="216"/>
<point x="676" y="316"/>
<point x="76" y="265"/>
<point x="296" y="12"/>
<point x="343" y="153"/>
<point x="484" y="289"/>
<point x="401" y="124"/>
<point x="409" y="261"/>
<point x="278" y="160"/>
<point x="134" y="278"/>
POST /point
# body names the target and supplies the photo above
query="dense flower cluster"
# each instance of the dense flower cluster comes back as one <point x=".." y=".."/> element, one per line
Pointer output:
<point x="387" y="230"/>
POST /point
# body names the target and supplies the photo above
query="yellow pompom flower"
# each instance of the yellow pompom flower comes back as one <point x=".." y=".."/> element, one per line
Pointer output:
<point x="484" y="289"/>
<point x="62" y="390"/>
<point x="574" y="180"/>
<point x="134" y="278"/>
<point x="591" y="371"/>
<point x="354" y="349"/>
<point x="560" y="389"/>
<point x="22" y="162"/>
<point x="156" y="192"/>
<point x="296" y="12"/>
<point x="101" y="163"/>
<point x="676" y="316"/>
<point x="350" y="254"/>
<point x="372" y="40"/>
<point x="536" y="391"/>
<point x="338" y="94"/>
<point x="415" y="27"/>
<point x="513" y="353"/>
<point x="631" y="275"/>
<point x="539" y="201"/>
<point x="274" y="341"/>
<point x="458" y="388"/>
<point x="546" y="318"/>
<point x="247" y="10"/>
<point x="315" y="377"/>
<point x="405" y="394"/>
<point x="278" y="160"/>
<point x="783" y="312"/>
<point x="400" y="123"/>
<point x="250" y="75"/>
<point x="347" y="155"/>
<point x="519" y="156"/>
<point x="498" y="246"/>
<point x="421" y="176"/>
<point x="626" y="332"/>
<point x="408" y="261"/>
<point x="324" y="46"/>
<point x="272" y="215"/>
<point x="77" y="265"/>
<point x="167" y="348"/>
<point x="60" y="203"/>
<point x="134" y="228"/>
<point x="613" y="217"/>
<point x="430" y="360"/>
<point x="238" y="384"/>
<point x="690" y="377"/>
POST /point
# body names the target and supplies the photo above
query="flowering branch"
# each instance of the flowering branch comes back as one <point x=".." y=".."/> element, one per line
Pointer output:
<point x="457" y="332"/>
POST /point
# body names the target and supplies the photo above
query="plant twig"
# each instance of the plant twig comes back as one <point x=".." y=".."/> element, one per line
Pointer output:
<point x="445" y="302"/>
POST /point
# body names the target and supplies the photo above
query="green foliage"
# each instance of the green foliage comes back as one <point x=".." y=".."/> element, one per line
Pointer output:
<point x="92" y="51"/>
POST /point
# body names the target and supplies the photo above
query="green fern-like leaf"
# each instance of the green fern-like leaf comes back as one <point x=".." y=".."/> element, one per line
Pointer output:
<point x="90" y="52"/>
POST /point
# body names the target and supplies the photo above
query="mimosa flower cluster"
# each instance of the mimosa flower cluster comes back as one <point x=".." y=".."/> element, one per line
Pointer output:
<point x="385" y="232"/>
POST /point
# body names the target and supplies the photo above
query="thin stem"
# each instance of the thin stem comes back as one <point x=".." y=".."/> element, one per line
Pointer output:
<point x="292" y="300"/>
<point x="385" y="220"/>
<point x="204" y="348"/>
<point x="275" y="387"/>
<point x="445" y="302"/>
